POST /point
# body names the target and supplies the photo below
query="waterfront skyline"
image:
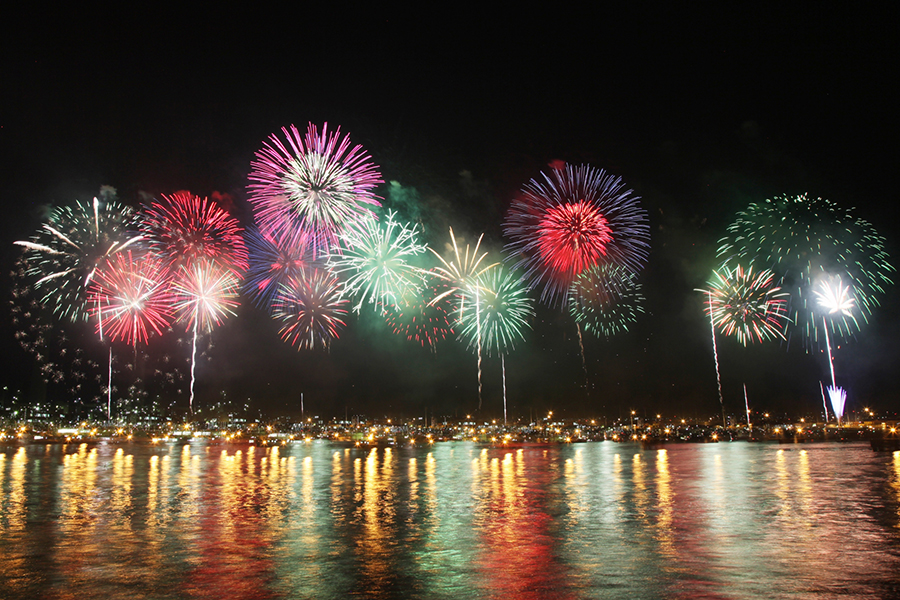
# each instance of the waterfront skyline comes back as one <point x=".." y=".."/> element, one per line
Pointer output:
<point x="699" y="114"/>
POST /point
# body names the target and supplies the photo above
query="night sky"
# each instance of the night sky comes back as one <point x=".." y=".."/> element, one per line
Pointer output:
<point x="700" y="112"/>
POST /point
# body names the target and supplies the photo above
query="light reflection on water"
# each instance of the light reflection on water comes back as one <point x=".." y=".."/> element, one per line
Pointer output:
<point x="317" y="520"/>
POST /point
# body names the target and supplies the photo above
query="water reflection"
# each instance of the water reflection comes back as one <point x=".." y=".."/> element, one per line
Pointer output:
<point x="314" y="520"/>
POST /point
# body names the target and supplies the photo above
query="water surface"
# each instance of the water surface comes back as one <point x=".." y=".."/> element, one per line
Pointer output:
<point x="455" y="520"/>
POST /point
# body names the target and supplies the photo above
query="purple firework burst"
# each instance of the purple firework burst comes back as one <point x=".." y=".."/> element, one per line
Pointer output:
<point x="574" y="219"/>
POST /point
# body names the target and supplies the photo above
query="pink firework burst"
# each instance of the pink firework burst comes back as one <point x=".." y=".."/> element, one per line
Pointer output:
<point x="315" y="187"/>
<point x="574" y="219"/>
<point x="184" y="230"/>
<point x="131" y="297"/>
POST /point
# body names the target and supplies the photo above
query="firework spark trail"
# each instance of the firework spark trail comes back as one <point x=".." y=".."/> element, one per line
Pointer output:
<point x="574" y="219"/>
<point x="503" y="370"/>
<point x="502" y="309"/>
<point x="830" y="359"/>
<point x="747" y="408"/>
<point x="318" y="189"/>
<point x="109" y="389"/>
<point x="712" y="327"/>
<point x="587" y="391"/>
<point x="204" y="295"/>
<point x="824" y="401"/>
<point x="478" y="342"/>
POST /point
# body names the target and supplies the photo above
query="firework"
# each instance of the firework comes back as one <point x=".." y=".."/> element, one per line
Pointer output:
<point x="58" y="347"/>
<point x="799" y="238"/>
<point x="460" y="275"/>
<point x="317" y="187"/>
<point x="835" y="298"/>
<point x="499" y="306"/>
<point x="605" y="300"/>
<point x="376" y="261"/>
<point x="310" y="309"/>
<point x="131" y="298"/>
<point x="205" y="294"/>
<point x="461" y="271"/>
<point x="421" y="318"/>
<point x="185" y="230"/>
<point x="273" y="264"/>
<point x="64" y="254"/>
<point x="575" y="219"/>
<point x="746" y="305"/>
<point x="838" y="398"/>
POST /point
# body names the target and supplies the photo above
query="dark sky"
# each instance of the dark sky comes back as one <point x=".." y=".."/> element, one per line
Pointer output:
<point x="701" y="113"/>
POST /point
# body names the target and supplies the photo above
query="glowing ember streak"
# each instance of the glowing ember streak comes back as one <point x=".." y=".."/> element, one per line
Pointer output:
<point x="574" y="219"/>
<point x="310" y="309"/>
<point x="712" y="327"/>
<point x="317" y="187"/>
<point x="131" y="298"/>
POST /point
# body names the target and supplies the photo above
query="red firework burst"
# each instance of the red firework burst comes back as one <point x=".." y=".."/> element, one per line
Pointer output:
<point x="184" y="230"/>
<point x="572" y="237"/>
<point x="422" y="316"/>
<point x="131" y="297"/>
<point x="575" y="219"/>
